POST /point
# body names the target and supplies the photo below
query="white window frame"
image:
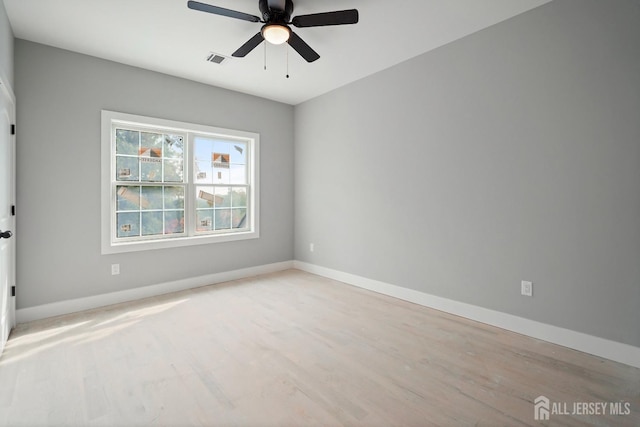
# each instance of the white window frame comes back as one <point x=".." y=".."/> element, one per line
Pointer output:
<point x="111" y="245"/>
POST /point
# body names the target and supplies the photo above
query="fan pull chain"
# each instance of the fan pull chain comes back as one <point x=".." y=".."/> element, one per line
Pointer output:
<point x="265" y="56"/>
<point x="287" y="61"/>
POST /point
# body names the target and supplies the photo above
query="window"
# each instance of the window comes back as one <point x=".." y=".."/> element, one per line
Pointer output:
<point x="167" y="183"/>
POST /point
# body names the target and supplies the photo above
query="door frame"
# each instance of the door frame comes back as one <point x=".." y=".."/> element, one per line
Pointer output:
<point x="7" y="91"/>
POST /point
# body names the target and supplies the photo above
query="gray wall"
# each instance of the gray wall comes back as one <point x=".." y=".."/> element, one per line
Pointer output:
<point x="511" y="154"/>
<point x="6" y="46"/>
<point x="60" y="96"/>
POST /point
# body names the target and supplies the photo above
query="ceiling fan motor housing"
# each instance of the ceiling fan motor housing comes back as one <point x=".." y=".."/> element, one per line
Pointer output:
<point x="274" y="16"/>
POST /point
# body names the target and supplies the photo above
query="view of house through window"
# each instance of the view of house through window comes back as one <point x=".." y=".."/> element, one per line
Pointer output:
<point x="173" y="183"/>
<point x="149" y="168"/>
<point x="221" y="178"/>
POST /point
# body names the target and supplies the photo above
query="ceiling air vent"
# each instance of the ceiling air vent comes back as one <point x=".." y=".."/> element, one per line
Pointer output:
<point x="216" y="58"/>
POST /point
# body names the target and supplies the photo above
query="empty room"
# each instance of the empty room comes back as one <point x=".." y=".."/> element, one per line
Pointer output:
<point x="335" y="213"/>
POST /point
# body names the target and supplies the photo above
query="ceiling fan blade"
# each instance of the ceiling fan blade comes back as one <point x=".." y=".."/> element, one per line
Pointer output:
<point x="248" y="46"/>
<point x="202" y="7"/>
<point x="302" y="48"/>
<point x="339" y="17"/>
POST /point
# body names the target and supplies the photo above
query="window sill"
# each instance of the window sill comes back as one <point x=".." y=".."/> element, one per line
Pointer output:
<point x="178" y="242"/>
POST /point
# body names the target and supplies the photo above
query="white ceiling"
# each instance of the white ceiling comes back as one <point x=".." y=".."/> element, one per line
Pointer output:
<point x="166" y="36"/>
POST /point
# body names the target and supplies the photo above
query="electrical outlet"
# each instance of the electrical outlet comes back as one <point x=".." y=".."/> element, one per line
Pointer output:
<point x="115" y="269"/>
<point x="526" y="288"/>
<point x="311" y="247"/>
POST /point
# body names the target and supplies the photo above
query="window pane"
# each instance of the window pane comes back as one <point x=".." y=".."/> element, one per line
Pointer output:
<point x="204" y="220"/>
<point x="203" y="148"/>
<point x="173" y="171"/>
<point x="220" y="159"/>
<point x="151" y="145"/>
<point x="239" y="153"/>
<point x="173" y="146"/>
<point x="174" y="222"/>
<point x="151" y="198"/>
<point x="173" y="197"/>
<point x="204" y="197"/>
<point x="127" y="198"/>
<point x="239" y="218"/>
<point x="222" y="219"/>
<point x="150" y="169"/>
<point x="238" y="174"/>
<point x="128" y="224"/>
<point x="151" y="223"/>
<point x="221" y="175"/>
<point x="239" y="197"/>
<point x="204" y="172"/>
<point x="222" y="197"/>
<point x="127" y="169"/>
<point x="127" y="142"/>
<point x="221" y="151"/>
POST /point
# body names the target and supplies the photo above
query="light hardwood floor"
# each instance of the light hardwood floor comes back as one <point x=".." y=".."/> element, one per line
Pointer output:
<point x="293" y="349"/>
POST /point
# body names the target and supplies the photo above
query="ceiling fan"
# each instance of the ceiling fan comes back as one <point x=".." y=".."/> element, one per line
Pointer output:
<point x="276" y="17"/>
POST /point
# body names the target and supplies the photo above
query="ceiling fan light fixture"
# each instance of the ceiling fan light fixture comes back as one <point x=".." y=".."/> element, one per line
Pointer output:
<point x="276" y="33"/>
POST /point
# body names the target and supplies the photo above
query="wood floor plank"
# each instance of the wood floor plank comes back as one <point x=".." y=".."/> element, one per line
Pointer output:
<point x="293" y="349"/>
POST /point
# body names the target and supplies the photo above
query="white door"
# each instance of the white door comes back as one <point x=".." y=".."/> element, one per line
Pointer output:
<point x="7" y="221"/>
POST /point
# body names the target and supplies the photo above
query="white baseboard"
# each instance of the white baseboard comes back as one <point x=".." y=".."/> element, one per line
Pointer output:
<point x="72" y="306"/>
<point x="601" y="347"/>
